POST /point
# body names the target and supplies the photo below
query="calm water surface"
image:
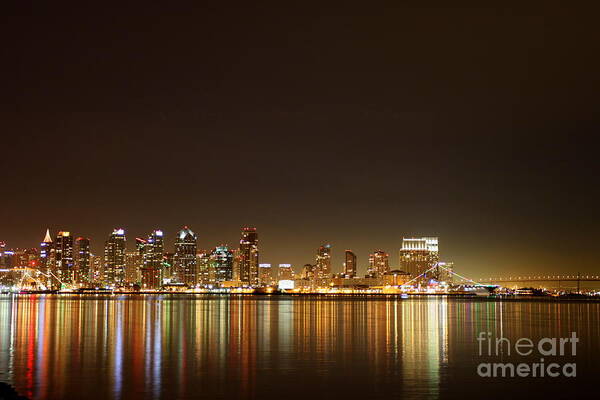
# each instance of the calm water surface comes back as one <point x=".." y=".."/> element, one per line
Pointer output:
<point x="206" y="347"/>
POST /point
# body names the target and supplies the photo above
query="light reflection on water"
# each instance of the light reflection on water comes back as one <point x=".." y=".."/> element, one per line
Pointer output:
<point x="295" y="347"/>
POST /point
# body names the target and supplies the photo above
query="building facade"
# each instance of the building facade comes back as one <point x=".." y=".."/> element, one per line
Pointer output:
<point x="221" y="264"/>
<point x="285" y="272"/>
<point x="418" y="255"/>
<point x="379" y="264"/>
<point x="248" y="257"/>
<point x="151" y="271"/>
<point x="265" y="277"/>
<point x="323" y="262"/>
<point x="64" y="262"/>
<point x="350" y="264"/>
<point x="83" y="261"/>
<point x="184" y="259"/>
<point x="114" y="259"/>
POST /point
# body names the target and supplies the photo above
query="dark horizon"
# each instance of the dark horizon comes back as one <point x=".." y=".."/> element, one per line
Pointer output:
<point x="352" y="127"/>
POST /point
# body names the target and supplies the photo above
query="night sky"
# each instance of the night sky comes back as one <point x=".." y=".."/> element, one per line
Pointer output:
<point x="353" y="126"/>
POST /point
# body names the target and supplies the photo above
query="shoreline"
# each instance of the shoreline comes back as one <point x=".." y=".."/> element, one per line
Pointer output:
<point x="402" y="296"/>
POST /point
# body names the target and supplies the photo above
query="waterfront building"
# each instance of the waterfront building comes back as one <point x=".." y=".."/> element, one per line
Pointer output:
<point x="97" y="268"/>
<point x="151" y="271"/>
<point x="133" y="263"/>
<point x="221" y="264"/>
<point x="308" y="272"/>
<point x="82" y="261"/>
<point x="285" y="272"/>
<point x="168" y="268"/>
<point x="236" y="265"/>
<point x="114" y="259"/>
<point x="418" y="255"/>
<point x="203" y="265"/>
<point x="64" y="262"/>
<point x="378" y="264"/>
<point x="396" y="277"/>
<point x="350" y="264"/>
<point x="248" y="263"/>
<point x="46" y="248"/>
<point x="323" y="262"/>
<point x="265" y="278"/>
<point x="185" y="264"/>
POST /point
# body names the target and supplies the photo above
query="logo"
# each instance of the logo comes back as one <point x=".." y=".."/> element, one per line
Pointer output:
<point x="525" y="347"/>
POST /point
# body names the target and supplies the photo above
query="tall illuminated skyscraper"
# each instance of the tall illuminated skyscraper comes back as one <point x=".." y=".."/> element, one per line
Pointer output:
<point x="203" y="265"/>
<point x="221" y="262"/>
<point x="153" y="258"/>
<point x="46" y="250"/>
<point x="133" y="261"/>
<point x="417" y="255"/>
<point x="323" y="262"/>
<point x="185" y="257"/>
<point x="379" y="264"/>
<point x="248" y="262"/>
<point x="114" y="258"/>
<point x="82" y="261"/>
<point x="63" y="248"/>
<point x="350" y="264"/>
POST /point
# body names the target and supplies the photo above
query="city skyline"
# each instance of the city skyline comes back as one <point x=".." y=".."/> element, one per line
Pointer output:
<point x="317" y="127"/>
<point x="114" y="253"/>
<point x="296" y="259"/>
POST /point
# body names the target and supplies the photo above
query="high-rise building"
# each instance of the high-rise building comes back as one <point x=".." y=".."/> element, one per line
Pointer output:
<point x="249" y="256"/>
<point x="323" y="262"/>
<point x="3" y="259"/>
<point x="379" y="264"/>
<point x="418" y="255"/>
<point x="64" y="266"/>
<point x="168" y="267"/>
<point x="133" y="263"/>
<point x="221" y="263"/>
<point x="350" y="264"/>
<point x="308" y="272"/>
<point x="236" y="265"/>
<point x="152" y="261"/>
<point x="82" y="261"/>
<point x="203" y="265"/>
<point x="285" y="272"/>
<point x="45" y="249"/>
<point x="97" y="263"/>
<point x="265" y="278"/>
<point x="185" y="264"/>
<point x="114" y="259"/>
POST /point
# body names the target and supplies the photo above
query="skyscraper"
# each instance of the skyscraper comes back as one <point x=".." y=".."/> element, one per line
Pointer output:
<point x="378" y="264"/>
<point x="64" y="266"/>
<point x="285" y="272"/>
<point x="323" y="262"/>
<point x="114" y="258"/>
<point x="417" y="255"/>
<point x="185" y="257"/>
<point x="350" y="264"/>
<point x="203" y="265"/>
<point x="265" y="278"/>
<point x="46" y="257"/>
<point x="82" y="261"/>
<point x="153" y="258"/>
<point x="133" y="261"/>
<point x="221" y="262"/>
<point x="249" y="256"/>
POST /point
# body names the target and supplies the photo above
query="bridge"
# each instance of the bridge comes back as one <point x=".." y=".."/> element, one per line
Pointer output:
<point x="528" y="279"/>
